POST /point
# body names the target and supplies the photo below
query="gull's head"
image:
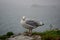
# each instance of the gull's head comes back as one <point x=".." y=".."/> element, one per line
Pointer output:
<point x="41" y="23"/>
<point x="24" y="18"/>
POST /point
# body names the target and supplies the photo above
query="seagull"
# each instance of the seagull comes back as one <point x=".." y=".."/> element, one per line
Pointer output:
<point x="30" y="24"/>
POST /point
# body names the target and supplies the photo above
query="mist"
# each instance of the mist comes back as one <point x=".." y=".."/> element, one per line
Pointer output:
<point x="11" y="12"/>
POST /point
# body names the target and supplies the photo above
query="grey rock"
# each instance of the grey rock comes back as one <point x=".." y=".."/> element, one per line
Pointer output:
<point x="21" y="37"/>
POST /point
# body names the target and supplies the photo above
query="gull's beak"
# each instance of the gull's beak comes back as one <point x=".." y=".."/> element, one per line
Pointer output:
<point x="24" y="17"/>
<point x="41" y="23"/>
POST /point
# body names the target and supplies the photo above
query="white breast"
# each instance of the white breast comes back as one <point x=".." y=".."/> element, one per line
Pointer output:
<point x="25" y="25"/>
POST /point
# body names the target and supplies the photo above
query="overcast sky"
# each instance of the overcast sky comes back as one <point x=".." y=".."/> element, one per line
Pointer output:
<point x="29" y="2"/>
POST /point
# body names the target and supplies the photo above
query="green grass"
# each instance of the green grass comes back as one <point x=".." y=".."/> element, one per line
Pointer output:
<point x="8" y="34"/>
<point x="49" y="35"/>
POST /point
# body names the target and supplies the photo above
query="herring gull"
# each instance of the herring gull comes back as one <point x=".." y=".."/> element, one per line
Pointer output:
<point x="30" y="24"/>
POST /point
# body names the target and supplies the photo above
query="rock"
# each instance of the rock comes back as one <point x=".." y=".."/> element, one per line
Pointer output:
<point x="11" y="39"/>
<point x="25" y="37"/>
<point x="36" y="37"/>
<point x="21" y="37"/>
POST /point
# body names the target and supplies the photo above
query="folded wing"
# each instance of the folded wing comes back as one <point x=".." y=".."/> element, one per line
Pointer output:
<point x="32" y="23"/>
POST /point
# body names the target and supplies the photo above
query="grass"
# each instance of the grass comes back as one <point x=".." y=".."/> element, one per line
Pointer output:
<point x="8" y="34"/>
<point x="49" y="35"/>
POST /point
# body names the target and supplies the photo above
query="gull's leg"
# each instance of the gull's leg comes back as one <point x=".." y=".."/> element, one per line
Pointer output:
<point x="30" y="32"/>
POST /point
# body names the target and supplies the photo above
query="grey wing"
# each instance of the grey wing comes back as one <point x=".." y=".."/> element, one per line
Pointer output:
<point x="32" y="23"/>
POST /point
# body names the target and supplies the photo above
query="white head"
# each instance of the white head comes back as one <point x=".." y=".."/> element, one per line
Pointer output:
<point x="24" y="17"/>
<point x="41" y="23"/>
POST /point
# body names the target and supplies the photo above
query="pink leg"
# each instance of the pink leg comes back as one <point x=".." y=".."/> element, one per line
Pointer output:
<point x="30" y="32"/>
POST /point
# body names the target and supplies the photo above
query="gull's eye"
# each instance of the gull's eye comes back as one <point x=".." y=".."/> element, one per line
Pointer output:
<point x="23" y="17"/>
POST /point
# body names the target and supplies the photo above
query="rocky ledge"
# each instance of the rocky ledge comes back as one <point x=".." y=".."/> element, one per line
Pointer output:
<point x="24" y="37"/>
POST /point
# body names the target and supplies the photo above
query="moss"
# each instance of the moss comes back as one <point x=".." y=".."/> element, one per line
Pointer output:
<point x="9" y="34"/>
<point x="49" y="35"/>
<point x="4" y="37"/>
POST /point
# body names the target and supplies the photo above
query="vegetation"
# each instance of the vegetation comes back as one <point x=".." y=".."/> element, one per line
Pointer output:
<point x="9" y="34"/>
<point x="49" y="35"/>
<point x="4" y="37"/>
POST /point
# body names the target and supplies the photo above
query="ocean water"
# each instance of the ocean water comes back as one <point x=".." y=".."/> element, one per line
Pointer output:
<point x="10" y="17"/>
